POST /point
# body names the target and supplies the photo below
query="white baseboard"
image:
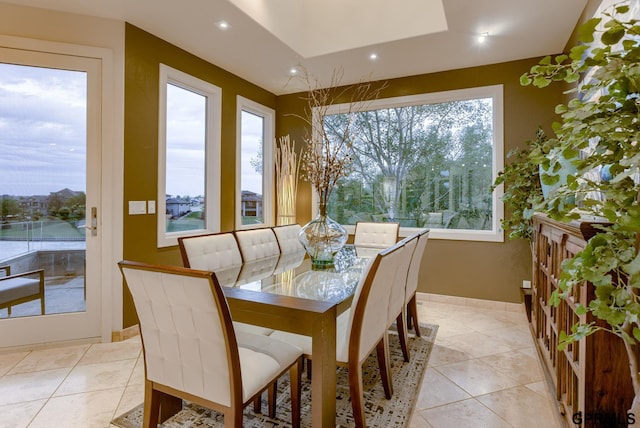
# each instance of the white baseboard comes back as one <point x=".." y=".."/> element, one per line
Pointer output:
<point x="468" y="301"/>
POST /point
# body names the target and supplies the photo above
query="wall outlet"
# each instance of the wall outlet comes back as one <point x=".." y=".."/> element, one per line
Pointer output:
<point x="526" y="284"/>
<point x="151" y="207"/>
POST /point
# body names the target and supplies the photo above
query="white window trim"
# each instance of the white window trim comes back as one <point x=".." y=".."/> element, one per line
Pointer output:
<point x="495" y="92"/>
<point x="268" y="169"/>
<point x="213" y="96"/>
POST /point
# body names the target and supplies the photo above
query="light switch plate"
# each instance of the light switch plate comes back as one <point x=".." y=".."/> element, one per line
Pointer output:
<point x="137" y="207"/>
<point x="151" y="207"/>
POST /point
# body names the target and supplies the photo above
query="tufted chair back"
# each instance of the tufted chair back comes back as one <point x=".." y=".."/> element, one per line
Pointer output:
<point x="412" y="285"/>
<point x="414" y="267"/>
<point x="369" y="234"/>
<point x="287" y="236"/>
<point x="192" y="351"/>
<point x="398" y="287"/>
<point x="185" y="325"/>
<point x="210" y="252"/>
<point x="369" y="310"/>
<point x="257" y="244"/>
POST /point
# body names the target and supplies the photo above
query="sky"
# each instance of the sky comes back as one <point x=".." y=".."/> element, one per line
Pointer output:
<point x="42" y="130"/>
<point x="43" y="134"/>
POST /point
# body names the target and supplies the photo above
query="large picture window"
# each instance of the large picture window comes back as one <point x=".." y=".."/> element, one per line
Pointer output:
<point x="188" y="156"/>
<point x="424" y="161"/>
<point x="254" y="168"/>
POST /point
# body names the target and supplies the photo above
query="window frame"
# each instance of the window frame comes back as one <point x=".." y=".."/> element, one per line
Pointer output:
<point x="496" y="93"/>
<point x="213" y="95"/>
<point x="268" y="167"/>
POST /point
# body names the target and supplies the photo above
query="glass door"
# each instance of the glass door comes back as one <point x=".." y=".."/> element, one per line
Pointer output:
<point x="49" y="195"/>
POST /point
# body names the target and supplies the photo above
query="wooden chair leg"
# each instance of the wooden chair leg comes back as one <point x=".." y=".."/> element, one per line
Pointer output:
<point x="403" y="336"/>
<point x="233" y="417"/>
<point x="382" y="351"/>
<point x="308" y="369"/>
<point x="169" y="406"/>
<point x="151" y="412"/>
<point x="271" y="400"/>
<point x="357" y="395"/>
<point x="257" y="404"/>
<point x="295" y="381"/>
<point x="412" y="311"/>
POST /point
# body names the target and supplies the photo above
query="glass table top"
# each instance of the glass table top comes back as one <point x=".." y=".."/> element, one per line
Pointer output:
<point x="291" y="275"/>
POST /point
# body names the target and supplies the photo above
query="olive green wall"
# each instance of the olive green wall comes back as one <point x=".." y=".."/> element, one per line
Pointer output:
<point x="480" y="270"/>
<point x="143" y="55"/>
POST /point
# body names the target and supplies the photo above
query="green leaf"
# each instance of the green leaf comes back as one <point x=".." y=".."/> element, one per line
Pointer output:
<point x="577" y="52"/>
<point x="633" y="267"/>
<point x="613" y="35"/>
<point x="586" y="30"/>
<point x="561" y="58"/>
<point x="622" y="9"/>
<point x="581" y="309"/>
<point x="525" y="80"/>
<point x="636" y="333"/>
<point x="541" y="81"/>
<point x="546" y="60"/>
<point x="549" y="180"/>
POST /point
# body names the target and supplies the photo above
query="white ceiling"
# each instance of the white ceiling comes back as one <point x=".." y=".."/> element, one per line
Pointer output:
<point x="409" y="36"/>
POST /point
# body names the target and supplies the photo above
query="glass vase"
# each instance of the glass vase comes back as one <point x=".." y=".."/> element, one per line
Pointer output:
<point x="322" y="238"/>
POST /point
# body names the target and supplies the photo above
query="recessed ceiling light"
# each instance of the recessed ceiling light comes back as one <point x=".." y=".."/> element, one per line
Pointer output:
<point x="373" y="56"/>
<point x="483" y="37"/>
<point x="293" y="71"/>
<point x="223" y="25"/>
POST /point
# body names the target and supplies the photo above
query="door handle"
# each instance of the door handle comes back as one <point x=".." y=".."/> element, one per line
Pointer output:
<point x="94" y="222"/>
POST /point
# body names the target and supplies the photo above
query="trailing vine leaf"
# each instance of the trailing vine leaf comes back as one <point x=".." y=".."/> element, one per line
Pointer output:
<point x="601" y="124"/>
<point x="522" y="187"/>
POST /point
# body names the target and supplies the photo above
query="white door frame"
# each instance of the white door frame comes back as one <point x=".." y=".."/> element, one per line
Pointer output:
<point x="110" y="161"/>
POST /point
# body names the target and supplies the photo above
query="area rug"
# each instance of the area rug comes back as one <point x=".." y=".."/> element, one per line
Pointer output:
<point x="380" y="412"/>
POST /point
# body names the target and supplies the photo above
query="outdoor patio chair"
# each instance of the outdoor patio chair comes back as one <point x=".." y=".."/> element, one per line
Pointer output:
<point x="21" y="288"/>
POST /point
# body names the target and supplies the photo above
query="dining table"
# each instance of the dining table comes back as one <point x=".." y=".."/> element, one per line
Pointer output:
<point x="285" y="293"/>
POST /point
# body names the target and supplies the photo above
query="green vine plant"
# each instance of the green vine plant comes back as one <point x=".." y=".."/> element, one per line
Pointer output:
<point x="523" y="191"/>
<point x="600" y="127"/>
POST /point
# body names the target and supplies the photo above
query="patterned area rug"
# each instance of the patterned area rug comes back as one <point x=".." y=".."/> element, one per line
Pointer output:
<point x="380" y="412"/>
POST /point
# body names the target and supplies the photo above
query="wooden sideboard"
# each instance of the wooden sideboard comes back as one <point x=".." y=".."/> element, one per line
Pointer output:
<point x="591" y="377"/>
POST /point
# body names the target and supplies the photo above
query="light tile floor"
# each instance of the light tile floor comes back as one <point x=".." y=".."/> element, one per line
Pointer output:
<point x="483" y="372"/>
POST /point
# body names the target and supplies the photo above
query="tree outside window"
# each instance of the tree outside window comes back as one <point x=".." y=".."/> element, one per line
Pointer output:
<point x="422" y="165"/>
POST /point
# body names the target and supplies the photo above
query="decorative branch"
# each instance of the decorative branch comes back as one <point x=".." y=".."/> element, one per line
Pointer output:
<point x="287" y="168"/>
<point x="326" y="160"/>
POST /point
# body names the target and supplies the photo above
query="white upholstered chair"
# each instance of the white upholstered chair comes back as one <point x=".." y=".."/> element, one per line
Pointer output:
<point x="397" y="311"/>
<point x="287" y="236"/>
<point x="217" y="252"/>
<point x="257" y="244"/>
<point x="210" y="252"/>
<point x="191" y="350"/>
<point x="362" y="328"/>
<point x="368" y="234"/>
<point x="412" y="281"/>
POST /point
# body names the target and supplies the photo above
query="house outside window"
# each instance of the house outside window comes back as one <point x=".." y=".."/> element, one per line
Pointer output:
<point x="188" y="156"/>
<point x="254" y="167"/>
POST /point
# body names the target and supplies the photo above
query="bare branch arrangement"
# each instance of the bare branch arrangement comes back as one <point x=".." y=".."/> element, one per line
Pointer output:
<point x="287" y="168"/>
<point x="327" y="159"/>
